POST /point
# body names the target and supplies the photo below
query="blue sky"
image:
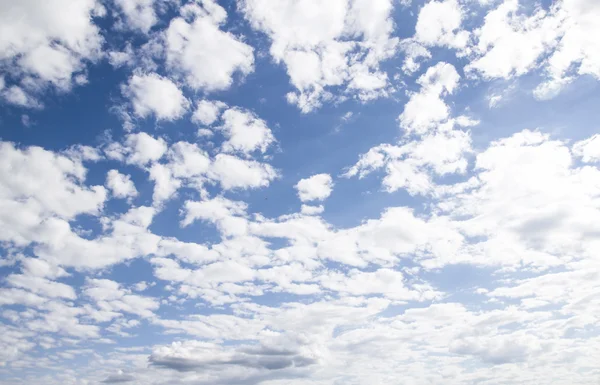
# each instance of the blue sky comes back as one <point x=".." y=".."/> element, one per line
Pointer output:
<point x="299" y="192"/>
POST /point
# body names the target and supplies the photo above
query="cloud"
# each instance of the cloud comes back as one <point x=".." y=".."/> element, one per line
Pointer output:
<point x="226" y="214"/>
<point x="41" y="286"/>
<point x="118" y="378"/>
<point x="426" y="108"/>
<point x="588" y="149"/>
<point x="439" y="24"/>
<point x="207" y="112"/>
<point x="152" y="94"/>
<point x="232" y="172"/>
<point x="245" y="132"/>
<point x="120" y="185"/>
<point x="45" y="45"/>
<point x="17" y="96"/>
<point x="317" y="44"/>
<point x="481" y="267"/>
<point x="41" y="185"/>
<point x="312" y="210"/>
<point x="317" y="187"/>
<point x="197" y="356"/>
<point x="138" y="149"/>
<point x="201" y="52"/>
<point x="139" y="14"/>
<point x="109" y="296"/>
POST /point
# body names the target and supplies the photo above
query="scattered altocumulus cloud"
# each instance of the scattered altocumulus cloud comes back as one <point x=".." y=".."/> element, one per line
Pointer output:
<point x="449" y="233"/>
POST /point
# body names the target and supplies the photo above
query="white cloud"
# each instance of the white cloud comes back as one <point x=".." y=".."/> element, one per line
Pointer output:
<point x="40" y="184"/>
<point x="439" y="24"/>
<point x="245" y="132"/>
<point x="152" y="94"/>
<point x="47" y="45"/>
<point x="39" y="268"/>
<point x="312" y="210"/>
<point x="17" y="96"/>
<point x="165" y="184"/>
<point x="233" y="173"/>
<point x="425" y="109"/>
<point x="588" y="149"/>
<point x="121" y="185"/>
<point x="109" y="296"/>
<point x="41" y="286"/>
<point x="510" y="43"/>
<point x="217" y="210"/>
<point x="207" y="112"/>
<point x="139" y="14"/>
<point x="317" y="187"/>
<point x="205" y="55"/>
<point x="317" y="43"/>
<point x="139" y="149"/>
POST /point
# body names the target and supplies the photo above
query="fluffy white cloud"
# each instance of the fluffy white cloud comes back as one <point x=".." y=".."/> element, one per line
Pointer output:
<point x="318" y="43"/>
<point x="312" y="210"/>
<point x="233" y="173"/>
<point x="17" y="96"/>
<point x="317" y="187"/>
<point x="121" y="185"/>
<point x="139" y="149"/>
<point x="245" y="132"/>
<point x="510" y="43"/>
<point x="207" y="112"/>
<point x="152" y="94"/>
<point x="206" y="56"/>
<point x="227" y="214"/>
<point x="139" y="14"/>
<point x="40" y="184"/>
<point x="425" y="109"/>
<point x="43" y="44"/>
<point x="439" y="23"/>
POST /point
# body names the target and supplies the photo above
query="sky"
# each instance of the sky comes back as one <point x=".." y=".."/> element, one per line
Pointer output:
<point x="299" y="192"/>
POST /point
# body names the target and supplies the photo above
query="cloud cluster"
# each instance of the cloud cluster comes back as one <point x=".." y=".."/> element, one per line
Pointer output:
<point x="452" y="250"/>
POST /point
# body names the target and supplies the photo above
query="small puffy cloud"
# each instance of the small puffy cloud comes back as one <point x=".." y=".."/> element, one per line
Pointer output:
<point x="232" y="172"/>
<point x="317" y="187"/>
<point x="228" y="215"/>
<point x="439" y="24"/>
<point x="139" y="149"/>
<point x="165" y="183"/>
<point x="426" y="108"/>
<point x="205" y="55"/>
<point x="245" y="132"/>
<point x="17" y="96"/>
<point x="207" y="112"/>
<point x="312" y="210"/>
<point x="121" y="185"/>
<point x="152" y="94"/>
<point x="139" y="14"/>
